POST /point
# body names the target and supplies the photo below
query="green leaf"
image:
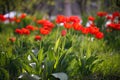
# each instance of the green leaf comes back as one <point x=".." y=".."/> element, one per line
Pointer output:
<point x="88" y="52"/>
<point x="49" y="66"/>
<point x="50" y="55"/>
<point x="57" y="44"/>
<point x="56" y="62"/>
<point x="33" y="57"/>
<point x="69" y="50"/>
<point x="28" y="68"/>
<point x="40" y="55"/>
<point x="61" y="76"/>
<point x="91" y="59"/>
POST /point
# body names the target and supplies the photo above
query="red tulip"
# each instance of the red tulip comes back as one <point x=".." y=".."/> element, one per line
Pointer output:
<point x="77" y="26"/>
<point x="109" y="17"/>
<point x="12" y="39"/>
<point x="115" y="14"/>
<point x="37" y="37"/>
<point x="85" y="30"/>
<point x="23" y="15"/>
<point x="99" y="35"/>
<point x="2" y="18"/>
<point x="44" y="31"/>
<point x="101" y="14"/>
<point x="93" y="30"/>
<point x="30" y="27"/>
<point x="63" y="32"/>
<point x="91" y="18"/>
<point x="25" y="31"/>
<point x="41" y="21"/>
<point x="19" y="31"/>
<point x="60" y="19"/>
<point x="114" y="26"/>
<point x="74" y="19"/>
<point x="67" y="25"/>
<point x="48" y="24"/>
<point x="17" y="20"/>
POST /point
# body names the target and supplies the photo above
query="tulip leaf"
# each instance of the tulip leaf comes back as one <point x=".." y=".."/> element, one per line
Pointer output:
<point x="61" y="76"/>
<point x="57" y="44"/>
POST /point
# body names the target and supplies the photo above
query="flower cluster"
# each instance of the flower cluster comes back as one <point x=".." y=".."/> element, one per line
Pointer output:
<point x="23" y="31"/>
<point x="72" y="22"/>
<point x="114" y="21"/>
<point x="47" y="26"/>
<point x="75" y="23"/>
<point x="101" y="14"/>
<point x="45" y="29"/>
<point x="26" y="30"/>
<point x="16" y="19"/>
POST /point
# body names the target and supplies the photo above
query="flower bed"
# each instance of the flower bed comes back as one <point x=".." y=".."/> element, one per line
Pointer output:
<point x="65" y="48"/>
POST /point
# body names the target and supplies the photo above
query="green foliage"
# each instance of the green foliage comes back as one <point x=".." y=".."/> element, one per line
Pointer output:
<point x="100" y="22"/>
<point x="112" y="61"/>
<point x="113" y="37"/>
<point x="23" y="5"/>
<point x="4" y="75"/>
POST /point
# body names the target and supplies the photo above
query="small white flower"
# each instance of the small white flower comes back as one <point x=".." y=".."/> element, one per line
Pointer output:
<point x="29" y="57"/>
<point x="92" y="39"/>
<point x="52" y="48"/>
<point x="35" y="51"/>
<point x="84" y="56"/>
<point x="88" y="23"/>
<point x="43" y="66"/>
<point x="107" y="23"/>
<point x="61" y="24"/>
<point x="35" y="77"/>
<point x="20" y="76"/>
<point x="33" y="64"/>
<point x="3" y="52"/>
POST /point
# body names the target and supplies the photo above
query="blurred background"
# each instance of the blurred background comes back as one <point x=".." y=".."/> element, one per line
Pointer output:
<point x="51" y="8"/>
